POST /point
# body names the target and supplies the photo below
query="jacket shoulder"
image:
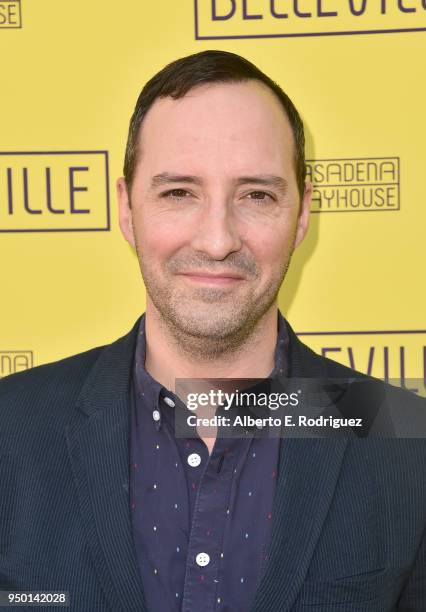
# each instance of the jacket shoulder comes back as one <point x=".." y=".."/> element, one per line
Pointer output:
<point x="43" y="387"/>
<point x="405" y="408"/>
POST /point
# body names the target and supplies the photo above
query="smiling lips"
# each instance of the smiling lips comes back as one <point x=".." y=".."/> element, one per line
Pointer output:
<point x="225" y="278"/>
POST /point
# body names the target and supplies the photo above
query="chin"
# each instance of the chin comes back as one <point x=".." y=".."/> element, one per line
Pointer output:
<point x="208" y="322"/>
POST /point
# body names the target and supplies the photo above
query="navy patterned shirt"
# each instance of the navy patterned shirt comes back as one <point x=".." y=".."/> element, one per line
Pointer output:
<point x="201" y="522"/>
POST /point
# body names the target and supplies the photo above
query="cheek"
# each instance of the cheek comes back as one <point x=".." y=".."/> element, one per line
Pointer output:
<point x="271" y="247"/>
<point x="158" y="238"/>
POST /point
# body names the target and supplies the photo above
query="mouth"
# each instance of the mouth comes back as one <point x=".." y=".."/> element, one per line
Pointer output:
<point x="222" y="279"/>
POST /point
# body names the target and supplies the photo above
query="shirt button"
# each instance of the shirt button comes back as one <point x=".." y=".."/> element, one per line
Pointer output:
<point x="194" y="459"/>
<point x="156" y="415"/>
<point x="202" y="559"/>
<point x="169" y="402"/>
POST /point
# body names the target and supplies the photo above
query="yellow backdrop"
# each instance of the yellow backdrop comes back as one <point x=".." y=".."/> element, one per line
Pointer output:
<point x="71" y="73"/>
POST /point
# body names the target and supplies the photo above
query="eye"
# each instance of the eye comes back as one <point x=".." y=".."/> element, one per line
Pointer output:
<point x="260" y="197"/>
<point x="176" y="194"/>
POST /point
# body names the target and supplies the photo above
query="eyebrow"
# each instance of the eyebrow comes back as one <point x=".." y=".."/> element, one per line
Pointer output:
<point x="165" y="178"/>
<point x="267" y="180"/>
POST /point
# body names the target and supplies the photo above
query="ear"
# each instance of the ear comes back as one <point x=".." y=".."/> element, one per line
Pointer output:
<point x="304" y="214"/>
<point x="125" y="212"/>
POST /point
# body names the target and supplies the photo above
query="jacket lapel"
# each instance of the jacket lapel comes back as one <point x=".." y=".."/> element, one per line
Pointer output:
<point x="98" y="444"/>
<point x="308" y="474"/>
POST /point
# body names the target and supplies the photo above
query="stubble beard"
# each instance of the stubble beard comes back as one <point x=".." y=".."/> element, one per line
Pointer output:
<point x="208" y="323"/>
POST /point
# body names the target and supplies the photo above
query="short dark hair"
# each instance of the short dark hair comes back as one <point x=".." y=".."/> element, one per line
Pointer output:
<point x="178" y="77"/>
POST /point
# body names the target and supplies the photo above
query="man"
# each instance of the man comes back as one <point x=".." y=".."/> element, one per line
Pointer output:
<point x="99" y="495"/>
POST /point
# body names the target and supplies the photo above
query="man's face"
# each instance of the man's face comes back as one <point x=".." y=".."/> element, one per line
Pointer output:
<point x="215" y="210"/>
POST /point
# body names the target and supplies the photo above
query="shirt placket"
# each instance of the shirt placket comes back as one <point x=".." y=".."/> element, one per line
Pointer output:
<point x="211" y="511"/>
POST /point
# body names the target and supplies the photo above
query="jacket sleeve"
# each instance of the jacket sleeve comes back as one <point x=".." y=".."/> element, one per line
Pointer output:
<point x="413" y="596"/>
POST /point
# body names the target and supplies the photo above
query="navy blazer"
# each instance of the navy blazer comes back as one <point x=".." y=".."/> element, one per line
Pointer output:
<point x="349" y="517"/>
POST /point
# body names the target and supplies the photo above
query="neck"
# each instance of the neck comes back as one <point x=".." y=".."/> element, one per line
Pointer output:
<point x="170" y="356"/>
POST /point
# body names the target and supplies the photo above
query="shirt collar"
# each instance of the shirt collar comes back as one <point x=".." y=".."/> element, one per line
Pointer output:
<point x="162" y="401"/>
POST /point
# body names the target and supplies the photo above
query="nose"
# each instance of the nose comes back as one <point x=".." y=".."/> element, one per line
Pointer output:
<point x="217" y="234"/>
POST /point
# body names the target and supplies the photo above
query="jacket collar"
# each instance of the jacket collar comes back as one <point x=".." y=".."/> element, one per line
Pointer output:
<point x="110" y="376"/>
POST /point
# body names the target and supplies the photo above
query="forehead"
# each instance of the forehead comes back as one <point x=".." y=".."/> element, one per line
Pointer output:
<point x="238" y="124"/>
